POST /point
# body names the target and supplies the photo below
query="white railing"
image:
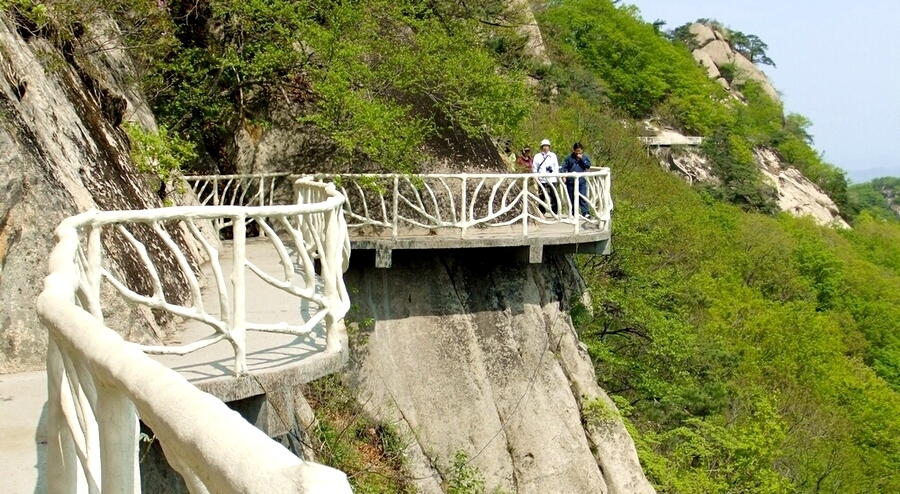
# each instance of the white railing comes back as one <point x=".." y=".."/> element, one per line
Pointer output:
<point x="99" y="384"/>
<point x="315" y="230"/>
<point x="261" y="189"/>
<point x="394" y="202"/>
<point x="464" y="201"/>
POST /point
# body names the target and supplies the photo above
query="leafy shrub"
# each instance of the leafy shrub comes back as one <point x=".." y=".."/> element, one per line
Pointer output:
<point x="160" y="153"/>
<point x="642" y="69"/>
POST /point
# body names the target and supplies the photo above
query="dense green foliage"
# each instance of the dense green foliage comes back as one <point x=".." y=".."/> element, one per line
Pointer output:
<point x="374" y="74"/>
<point x="750" y="353"/>
<point x="747" y="352"/>
<point x="644" y="73"/>
<point x="876" y="198"/>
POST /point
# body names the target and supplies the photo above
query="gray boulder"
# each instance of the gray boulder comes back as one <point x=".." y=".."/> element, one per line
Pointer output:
<point x="715" y="53"/>
<point x="703" y="34"/>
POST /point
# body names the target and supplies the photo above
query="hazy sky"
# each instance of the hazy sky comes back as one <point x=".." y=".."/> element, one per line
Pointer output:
<point x="838" y="64"/>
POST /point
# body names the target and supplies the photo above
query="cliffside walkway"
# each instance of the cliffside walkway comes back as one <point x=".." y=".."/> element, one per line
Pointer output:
<point x="395" y="212"/>
<point x="285" y="286"/>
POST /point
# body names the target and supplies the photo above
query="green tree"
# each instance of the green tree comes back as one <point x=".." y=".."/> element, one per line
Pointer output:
<point x="750" y="46"/>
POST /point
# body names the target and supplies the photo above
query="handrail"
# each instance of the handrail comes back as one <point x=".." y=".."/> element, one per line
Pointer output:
<point x="98" y="384"/>
<point x="319" y="233"/>
<point x="395" y="202"/>
<point x="479" y="200"/>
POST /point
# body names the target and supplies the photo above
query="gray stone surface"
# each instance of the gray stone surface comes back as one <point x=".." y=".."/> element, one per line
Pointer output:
<point x="796" y="193"/>
<point x="707" y="62"/>
<point x="62" y="153"/>
<point x="478" y="356"/>
<point x="703" y="34"/>
<point x="719" y="52"/>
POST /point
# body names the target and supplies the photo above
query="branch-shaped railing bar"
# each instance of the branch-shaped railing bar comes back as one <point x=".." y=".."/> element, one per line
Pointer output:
<point x="98" y="386"/>
<point x="311" y="226"/>
<point x="467" y="201"/>
<point x="238" y="190"/>
<point x="397" y="202"/>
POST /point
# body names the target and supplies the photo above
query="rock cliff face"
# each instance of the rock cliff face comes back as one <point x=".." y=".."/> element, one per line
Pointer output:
<point x="477" y="355"/>
<point x="720" y="59"/>
<point x="63" y="153"/>
<point x="796" y="194"/>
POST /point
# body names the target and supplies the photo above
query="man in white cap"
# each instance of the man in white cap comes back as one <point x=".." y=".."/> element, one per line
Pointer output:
<point x="546" y="162"/>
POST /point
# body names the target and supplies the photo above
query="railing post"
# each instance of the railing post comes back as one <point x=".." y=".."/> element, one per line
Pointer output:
<point x="576" y="209"/>
<point x="465" y="194"/>
<point x="218" y="221"/>
<point x="237" y="332"/>
<point x="331" y="262"/>
<point x="93" y="270"/>
<point x="62" y="460"/>
<point x="119" y="431"/>
<point x="262" y="202"/>
<point x="394" y="220"/>
<point x="525" y="206"/>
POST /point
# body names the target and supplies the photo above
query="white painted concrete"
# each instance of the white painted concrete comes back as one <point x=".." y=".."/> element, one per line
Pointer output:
<point x="266" y="352"/>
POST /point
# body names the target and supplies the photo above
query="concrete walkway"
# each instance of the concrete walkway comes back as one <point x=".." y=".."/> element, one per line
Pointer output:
<point x="23" y="441"/>
<point x="270" y="356"/>
<point x="266" y="352"/>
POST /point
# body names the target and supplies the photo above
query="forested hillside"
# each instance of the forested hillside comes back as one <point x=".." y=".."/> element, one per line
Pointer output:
<point x="748" y="350"/>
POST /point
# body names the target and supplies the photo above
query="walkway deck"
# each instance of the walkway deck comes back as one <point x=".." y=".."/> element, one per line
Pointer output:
<point x="271" y="357"/>
<point x="551" y="237"/>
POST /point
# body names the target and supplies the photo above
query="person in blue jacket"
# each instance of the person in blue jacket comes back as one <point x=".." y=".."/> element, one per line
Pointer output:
<point x="577" y="162"/>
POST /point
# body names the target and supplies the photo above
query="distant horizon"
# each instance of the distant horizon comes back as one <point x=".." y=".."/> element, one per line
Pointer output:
<point x="835" y="64"/>
<point x="863" y="176"/>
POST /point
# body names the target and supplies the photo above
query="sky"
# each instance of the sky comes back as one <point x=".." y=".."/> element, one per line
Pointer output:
<point x="838" y="64"/>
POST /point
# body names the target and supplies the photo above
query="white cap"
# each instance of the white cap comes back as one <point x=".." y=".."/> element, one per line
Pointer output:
<point x="545" y="142"/>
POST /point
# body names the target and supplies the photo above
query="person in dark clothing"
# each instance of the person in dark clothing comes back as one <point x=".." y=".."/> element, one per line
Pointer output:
<point x="577" y="162"/>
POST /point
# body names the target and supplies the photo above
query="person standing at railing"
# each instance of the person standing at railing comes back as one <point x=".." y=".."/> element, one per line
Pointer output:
<point x="577" y="162"/>
<point x="524" y="161"/>
<point x="543" y="163"/>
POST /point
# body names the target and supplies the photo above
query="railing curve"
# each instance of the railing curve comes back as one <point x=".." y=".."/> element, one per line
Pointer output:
<point x="98" y="384"/>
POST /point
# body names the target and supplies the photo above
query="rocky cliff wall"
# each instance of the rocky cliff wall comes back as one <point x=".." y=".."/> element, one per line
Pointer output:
<point x="715" y="53"/>
<point x="477" y="354"/>
<point x="62" y="152"/>
<point x="797" y="194"/>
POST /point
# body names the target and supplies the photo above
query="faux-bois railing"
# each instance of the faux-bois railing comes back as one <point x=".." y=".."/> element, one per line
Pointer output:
<point x="99" y="384"/>
<point x="395" y="202"/>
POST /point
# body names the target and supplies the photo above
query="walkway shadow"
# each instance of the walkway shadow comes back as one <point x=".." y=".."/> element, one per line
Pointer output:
<point x="40" y="442"/>
<point x="454" y="282"/>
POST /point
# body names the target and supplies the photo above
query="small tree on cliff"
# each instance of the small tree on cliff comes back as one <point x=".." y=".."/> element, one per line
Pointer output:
<point x="751" y="47"/>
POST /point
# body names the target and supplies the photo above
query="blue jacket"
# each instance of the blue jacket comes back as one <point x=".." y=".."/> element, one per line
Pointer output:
<point x="575" y="165"/>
